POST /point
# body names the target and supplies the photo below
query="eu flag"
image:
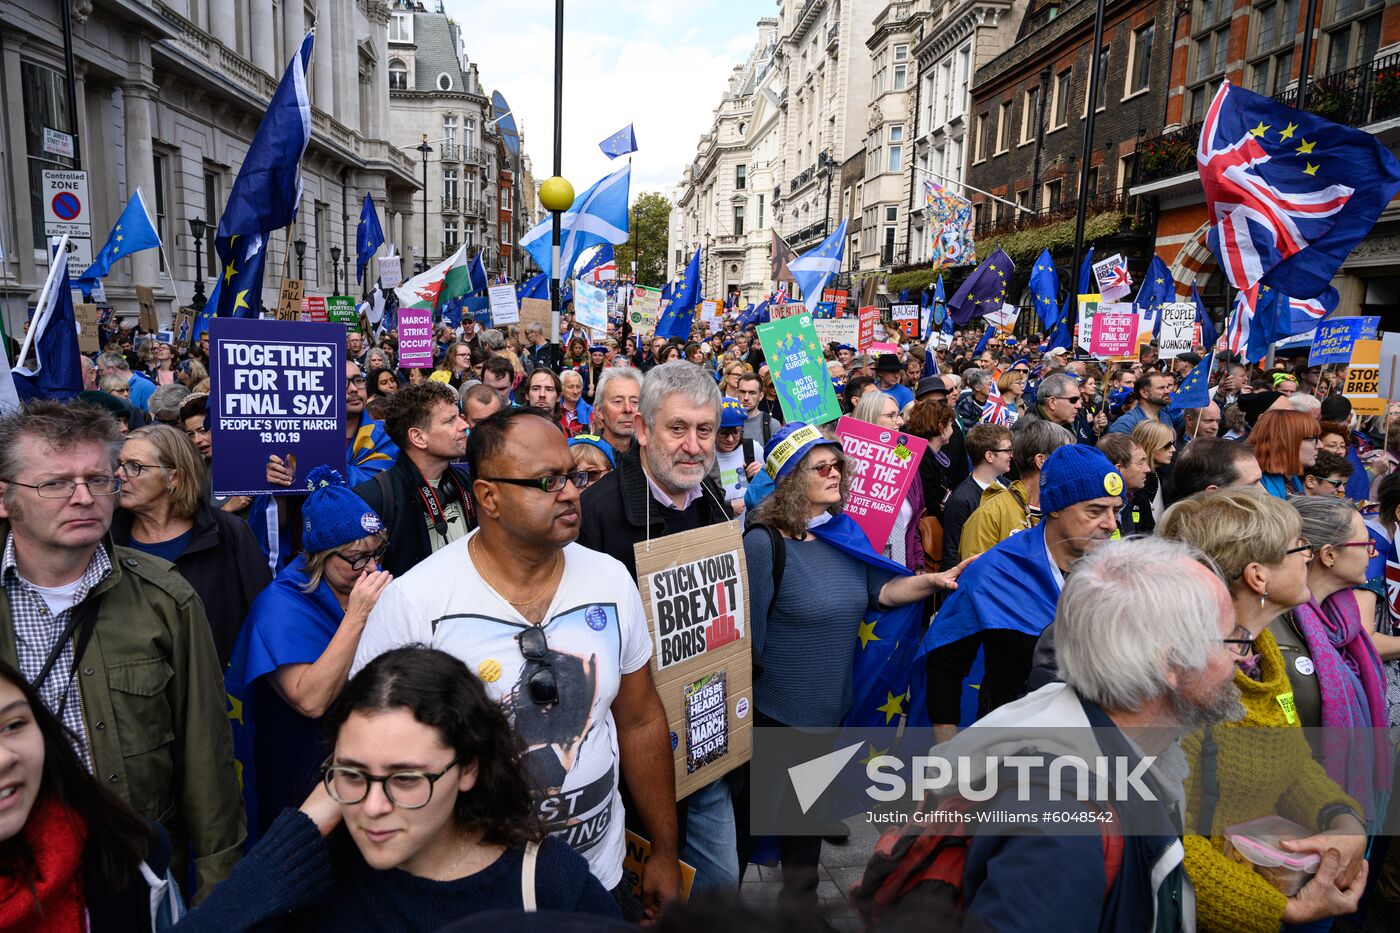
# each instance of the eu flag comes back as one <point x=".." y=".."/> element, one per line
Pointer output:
<point x="985" y="339"/>
<point x="369" y="236"/>
<point x="679" y="316"/>
<point x="1194" y="391"/>
<point x="620" y="143"/>
<point x="267" y="190"/>
<point x="57" y="372"/>
<point x="537" y="286"/>
<point x="1209" y="336"/>
<point x="984" y="290"/>
<point x="211" y="305"/>
<point x="1289" y="194"/>
<point x="132" y="233"/>
<point x="477" y="275"/>
<point x="1045" y="291"/>
<point x="1157" y="289"/>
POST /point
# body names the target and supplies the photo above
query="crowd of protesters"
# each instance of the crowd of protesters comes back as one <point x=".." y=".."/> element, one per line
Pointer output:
<point x="444" y="649"/>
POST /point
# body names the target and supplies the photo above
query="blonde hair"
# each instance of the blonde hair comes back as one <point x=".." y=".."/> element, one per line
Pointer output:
<point x="1152" y="435"/>
<point x="314" y="562"/>
<point x="1234" y="526"/>
<point x="588" y="457"/>
<point x="178" y="457"/>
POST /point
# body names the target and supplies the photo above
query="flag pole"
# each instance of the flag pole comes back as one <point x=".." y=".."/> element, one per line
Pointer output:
<point x="1085" y="155"/>
<point x="40" y="308"/>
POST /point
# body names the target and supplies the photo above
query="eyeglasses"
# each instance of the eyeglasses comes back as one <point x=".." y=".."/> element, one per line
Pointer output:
<point x="359" y="563"/>
<point x="1302" y="549"/>
<point x="552" y="483"/>
<point x="824" y="469"/>
<point x="64" y="488"/>
<point x="410" y="790"/>
<point x="1072" y="399"/>
<point x="1315" y="438"/>
<point x="1000" y="450"/>
<point x="534" y="647"/>
<point x="1334" y="483"/>
<point x="1369" y="545"/>
<point x="1238" y="646"/>
<point x="353" y="381"/>
<point x="134" y="468"/>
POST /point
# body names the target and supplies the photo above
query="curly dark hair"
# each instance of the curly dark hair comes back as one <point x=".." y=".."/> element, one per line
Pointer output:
<point x="412" y="406"/>
<point x="443" y="694"/>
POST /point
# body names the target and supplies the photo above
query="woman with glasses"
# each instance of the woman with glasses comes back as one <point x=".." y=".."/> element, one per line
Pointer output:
<point x="1335" y="673"/>
<point x="904" y="545"/>
<point x="1260" y="765"/>
<point x="1158" y="443"/>
<point x="1012" y="386"/>
<point x="1285" y="442"/>
<point x="422" y="815"/>
<point x="294" y="652"/>
<point x="729" y="385"/>
<point x="164" y="510"/>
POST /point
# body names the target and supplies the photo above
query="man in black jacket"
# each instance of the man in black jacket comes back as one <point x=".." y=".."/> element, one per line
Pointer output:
<point x="661" y="486"/>
<point x="422" y="499"/>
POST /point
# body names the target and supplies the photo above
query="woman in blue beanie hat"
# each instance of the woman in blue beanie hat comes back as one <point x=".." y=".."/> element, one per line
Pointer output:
<point x="294" y="652"/>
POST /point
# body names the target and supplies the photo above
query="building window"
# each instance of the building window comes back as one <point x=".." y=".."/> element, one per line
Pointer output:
<point x="1101" y="65"/>
<point x="400" y="27"/>
<point x="449" y="130"/>
<point x="1127" y="171"/>
<point x="449" y="184"/>
<point x="1023" y="199"/>
<point x="398" y="75"/>
<point x="979" y="137"/>
<point x="1030" y="114"/>
<point x="887" y="249"/>
<point x="211" y="211"/>
<point x="1140" y="60"/>
<point x="1093" y="186"/>
<point x="740" y="176"/>
<point x="896" y="148"/>
<point x="738" y="220"/>
<point x="1354" y="40"/>
<point x="450" y="237"/>
<point x="960" y="99"/>
<point x="1271" y="47"/>
<point x="162" y="201"/>
<point x="1210" y="42"/>
<point x="872" y="154"/>
<point x="1054" y="194"/>
<point x="900" y="81"/>
<point x="1059" y="115"/>
<point x="468" y="131"/>
<point x="319" y="237"/>
<point x="760" y="212"/>
<point x="444" y="82"/>
<point x="1003" y="126"/>
<point x="45" y="104"/>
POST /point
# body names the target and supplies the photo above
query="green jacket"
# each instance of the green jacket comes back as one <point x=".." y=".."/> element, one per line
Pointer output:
<point x="156" y="714"/>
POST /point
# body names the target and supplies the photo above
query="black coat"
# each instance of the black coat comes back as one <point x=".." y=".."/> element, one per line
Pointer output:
<point x="224" y="565"/>
<point x="405" y="517"/>
<point x="613" y="511"/>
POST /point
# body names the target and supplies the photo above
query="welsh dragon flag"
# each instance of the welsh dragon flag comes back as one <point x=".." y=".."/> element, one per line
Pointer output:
<point x="449" y="279"/>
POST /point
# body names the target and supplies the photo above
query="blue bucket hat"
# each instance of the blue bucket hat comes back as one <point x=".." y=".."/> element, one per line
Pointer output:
<point x="789" y="444"/>
<point x="732" y="413"/>
<point x="333" y="516"/>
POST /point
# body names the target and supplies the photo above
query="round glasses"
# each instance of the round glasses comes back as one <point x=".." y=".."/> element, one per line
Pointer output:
<point x="410" y="790"/>
<point x="64" y="488"/>
<point x="359" y="563"/>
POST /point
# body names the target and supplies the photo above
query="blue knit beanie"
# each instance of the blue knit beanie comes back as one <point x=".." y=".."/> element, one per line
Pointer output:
<point x="333" y="516"/>
<point x="1076" y="473"/>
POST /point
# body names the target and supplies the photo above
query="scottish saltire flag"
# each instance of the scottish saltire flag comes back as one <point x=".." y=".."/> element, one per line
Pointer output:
<point x="369" y="236"/>
<point x="1045" y="290"/>
<point x="814" y="268"/>
<point x="476" y="275"/>
<point x="132" y="233"/>
<point x="620" y="143"/>
<point x="994" y="410"/>
<point x="983" y="291"/>
<point x="1157" y="289"/>
<point x="57" y="372"/>
<point x="267" y="190"/>
<point x="1194" y="391"/>
<point x="598" y="215"/>
<point x="1263" y="316"/>
<point x="1209" y="336"/>
<point x="1288" y="193"/>
<point x="679" y="316"/>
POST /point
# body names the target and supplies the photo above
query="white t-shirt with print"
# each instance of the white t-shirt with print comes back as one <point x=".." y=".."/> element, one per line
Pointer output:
<point x="733" y="478"/>
<point x="596" y="631"/>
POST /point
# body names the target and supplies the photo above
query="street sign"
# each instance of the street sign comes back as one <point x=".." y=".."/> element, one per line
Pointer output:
<point x="65" y="199"/>
<point x="58" y="143"/>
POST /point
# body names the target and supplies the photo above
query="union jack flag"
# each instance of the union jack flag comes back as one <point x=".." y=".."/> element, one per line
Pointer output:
<point x="995" y="410"/>
<point x="1281" y="212"/>
<point x="1263" y="316"/>
<point x="1392" y="577"/>
<point x="780" y="297"/>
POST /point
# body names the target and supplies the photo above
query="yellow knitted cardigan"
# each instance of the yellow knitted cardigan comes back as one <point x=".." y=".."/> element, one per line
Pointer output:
<point x="1261" y="771"/>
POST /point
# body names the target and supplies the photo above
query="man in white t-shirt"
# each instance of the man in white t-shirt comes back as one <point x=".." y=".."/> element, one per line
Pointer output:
<point x="735" y="459"/>
<point x="558" y="635"/>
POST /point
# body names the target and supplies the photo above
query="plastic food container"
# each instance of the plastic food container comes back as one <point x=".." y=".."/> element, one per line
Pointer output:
<point x="1256" y="844"/>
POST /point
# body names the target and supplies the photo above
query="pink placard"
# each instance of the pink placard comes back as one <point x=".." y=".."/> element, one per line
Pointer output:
<point x="881" y="463"/>
<point x="1113" y="335"/>
<point x="416" y="338"/>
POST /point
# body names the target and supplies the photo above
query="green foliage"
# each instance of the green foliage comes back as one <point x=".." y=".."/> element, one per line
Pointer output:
<point x="650" y="219"/>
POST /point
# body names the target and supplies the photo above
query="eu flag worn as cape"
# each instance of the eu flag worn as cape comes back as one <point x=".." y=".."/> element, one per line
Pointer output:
<point x="984" y="290"/>
<point x="132" y="233"/>
<point x="369" y="236"/>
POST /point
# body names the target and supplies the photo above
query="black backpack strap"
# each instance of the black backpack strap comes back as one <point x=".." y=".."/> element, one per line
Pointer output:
<point x="749" y="456"/>
<point x="386" y="495"/>
<point x="767" y="427"/>
<point x="779" y="549"/>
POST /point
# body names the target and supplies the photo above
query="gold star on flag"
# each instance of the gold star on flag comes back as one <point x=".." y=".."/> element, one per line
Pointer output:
<point x="229" y="270"/>
<point x="118" y="227"/>
<point x="874" y="753"/>
<point x="866" y="633"/>
<point x="1259" y="131"/>
<point x="1310" y="170"/>
<point x="1305" y="148"/>
<point x="894" y="706"/>
<point x="241" y="301"/>
<point x="1287" y="131"/>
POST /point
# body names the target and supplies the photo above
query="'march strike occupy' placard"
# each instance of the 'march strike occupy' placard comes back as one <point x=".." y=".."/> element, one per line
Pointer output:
<point x="278" y="388"/>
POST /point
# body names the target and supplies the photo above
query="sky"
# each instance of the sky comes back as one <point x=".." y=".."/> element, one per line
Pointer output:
<point x="659" y="64"/>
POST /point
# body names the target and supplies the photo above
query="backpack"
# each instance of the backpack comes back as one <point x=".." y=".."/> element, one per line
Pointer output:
<point x="915" y="868"/>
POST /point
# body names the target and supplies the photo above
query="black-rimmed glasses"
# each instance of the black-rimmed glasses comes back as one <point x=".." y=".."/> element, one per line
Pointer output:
<point x="410" y="790"/>
<point x="135" y="468"/>
<point x="1304" y="548"/>
<point x="359" y="563"/>
<point x="551" y="483"/>
<point x="534" y="647"/>
<point x="1238" y="646"/>
<point x="64" y="488"/>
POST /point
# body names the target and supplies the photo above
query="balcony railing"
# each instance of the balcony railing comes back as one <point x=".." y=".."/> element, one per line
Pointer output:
<point x="472" y="207"/>
<point x="808" y="233"/>
<point x="1121" y="201"/>
<point x="451" y="152"/>
<point x="451" y="205"/>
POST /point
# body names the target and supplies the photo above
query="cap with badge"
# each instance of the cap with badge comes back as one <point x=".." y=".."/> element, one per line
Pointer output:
<point x="333" y="515"/>
<point x="593" y="440"/>
<point x="786" y="448"/>
<point x="732" y="413"/>
<point x="1076" y="473"/>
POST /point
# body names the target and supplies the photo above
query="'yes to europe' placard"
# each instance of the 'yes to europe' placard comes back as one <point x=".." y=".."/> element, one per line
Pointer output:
<point x="795" y="359"/>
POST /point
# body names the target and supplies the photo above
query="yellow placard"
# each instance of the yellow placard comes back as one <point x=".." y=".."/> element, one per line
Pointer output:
<point x="1362" y="387"/>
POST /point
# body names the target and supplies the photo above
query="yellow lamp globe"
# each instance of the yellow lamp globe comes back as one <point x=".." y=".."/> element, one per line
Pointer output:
<point x="556" y="194"/>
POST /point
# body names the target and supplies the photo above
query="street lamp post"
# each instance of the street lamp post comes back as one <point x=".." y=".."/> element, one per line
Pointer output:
<point x="556" y="194"/>
<point x="300" y="247"/>
<point x="335" y="270"/>
<point x="197" y="230"/>
<point x="424" y="148"/>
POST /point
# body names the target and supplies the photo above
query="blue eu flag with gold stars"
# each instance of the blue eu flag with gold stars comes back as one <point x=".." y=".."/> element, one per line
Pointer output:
<point x="133" y="232"/>
<point x="1157" y="289"/>
<point x="984" y="291"/>
<point x="620" y="143"/>
<point x="679" y="315"/>
<point x="369" y="236"/>
<point x="1045" y="291"/>
<point x="1194" y="391"/>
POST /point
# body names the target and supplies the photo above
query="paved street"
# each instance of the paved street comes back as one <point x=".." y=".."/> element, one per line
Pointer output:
<point x="841" y="867"/>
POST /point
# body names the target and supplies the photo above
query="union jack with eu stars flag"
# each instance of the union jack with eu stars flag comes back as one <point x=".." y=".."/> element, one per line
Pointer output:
<point x="1275" y="179"/>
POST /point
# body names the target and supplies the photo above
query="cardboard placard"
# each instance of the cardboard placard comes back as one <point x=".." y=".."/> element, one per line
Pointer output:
<point x="634" y="859"/>
<point x="340" y="309"/>
<point x="883" y="463"/>
<point x="786" y="309"/>
<point x="1113" y="335"/>
<point x="277" y="388"/>
<point x="1178" y="333"/>
<point x="184" y="323"/>
<point x="1333" y="340"/>
<point x="416" y="338"/>
<point x="537" y="311"/>
<point x="645" y="309"/>
<point x="289" y="300"/>
<point x="86" y="315"/>
<point x="694" y="588"/>
<point x="590" y="306"/>
<point x="1362" y="386"/>
<point x="869" y="317"/>
<point x="710" y="310"/>
<point x="1111" y="286"/>
<point x="313" y="308"/>
<point x="146" y="301"/>
<point x="798" y="367"/>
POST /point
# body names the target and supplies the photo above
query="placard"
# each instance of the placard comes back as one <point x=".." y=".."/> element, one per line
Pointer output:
<point x="505" y="309"/>
<point x="1178" y="332"/>
<point x="390" y="271"/>
<point x="340" y="309"/>
<point x="1088" y="306"/>
<point x="710" y="310"/>
<point x="1113" y="335"/>
<point x="1111" y="286"/>
<point x="635" y="857"/>
<point x="844" y="330"/>
<point x="869" y="317"/>
<point x="538" y="312"/>
<point x="798" y="367"/>
<point x="416" y="338"/>
<point x="590" y="306"/>
<point x="645" y="309"/>
<point x="904" y="312"/>
<point x="786" y="309"/>
<point x="289" y="300"/>
<point x="313" y="308"/>
<point x="86" y="316"/>
<point x="882" y="464"/>
<point x="694" y="587"/>
<point x="1362" y="387"/>
<point x="1333" y="339"/>
<point x="183" y="328"/>
<point x="146" y="302"/>
<point x="278" y="388"/>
